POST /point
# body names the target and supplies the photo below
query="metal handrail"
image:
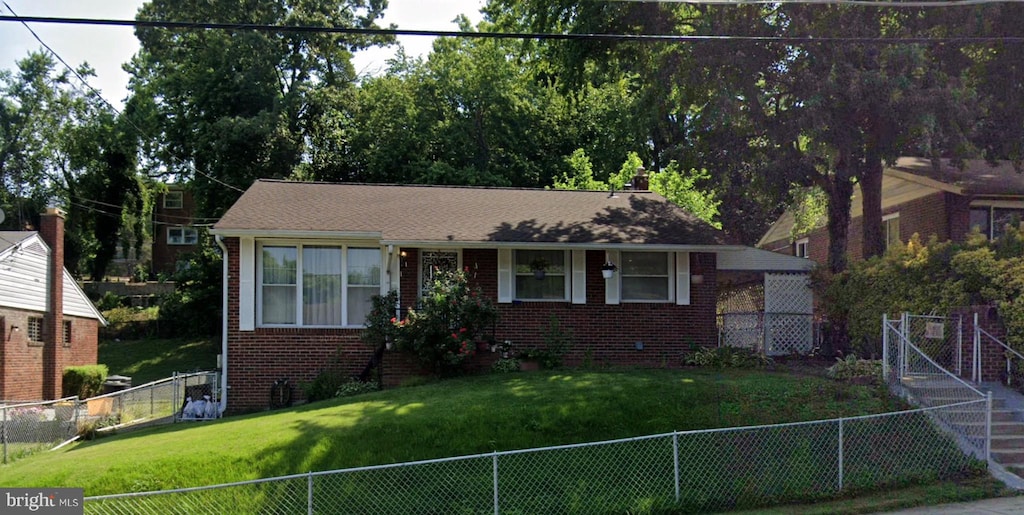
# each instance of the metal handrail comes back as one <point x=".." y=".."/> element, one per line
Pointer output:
<point x="933" y="363"/>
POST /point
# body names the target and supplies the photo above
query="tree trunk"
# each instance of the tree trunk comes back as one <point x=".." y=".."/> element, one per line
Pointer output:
<point x="839" y="190"/>
<point x="873" y="243"/>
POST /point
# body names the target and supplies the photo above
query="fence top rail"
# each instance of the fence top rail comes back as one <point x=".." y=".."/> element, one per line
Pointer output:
<point x="937" y="317"/>
<point x="495" y="454"/>
<point x="151" y="384"/>
<point x="997" y="340"/>
<point x="27" y="404"/>
<point x="945" y="372"/>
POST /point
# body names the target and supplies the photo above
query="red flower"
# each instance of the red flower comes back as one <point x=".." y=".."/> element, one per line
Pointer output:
<point x="462" y="329"/>
<point x="455" y="336"/>
<point x="393" y="320"/>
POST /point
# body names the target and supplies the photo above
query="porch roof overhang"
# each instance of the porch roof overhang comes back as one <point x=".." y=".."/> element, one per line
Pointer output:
<point x="749" y="259"/>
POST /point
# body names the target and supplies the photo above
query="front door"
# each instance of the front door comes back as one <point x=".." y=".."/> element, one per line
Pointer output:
<point x="434" y="261"/>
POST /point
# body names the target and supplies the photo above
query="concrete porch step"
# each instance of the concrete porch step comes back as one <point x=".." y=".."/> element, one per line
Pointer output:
<point x="1007" y="442"/>
<point x="1009" y="457"/>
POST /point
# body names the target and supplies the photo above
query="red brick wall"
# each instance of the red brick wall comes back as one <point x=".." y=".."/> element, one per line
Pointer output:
<point x="941" y="214"/>
<point x="21" y="362"/>
<point x="165" y="257"/>
<point x="603" y="334"/>
<point x="993" y="358"/>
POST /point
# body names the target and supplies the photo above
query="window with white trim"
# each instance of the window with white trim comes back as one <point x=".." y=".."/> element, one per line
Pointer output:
<point x="541" y="274"/>
<point x="182" y="235"/>
<point x="174" y="200"/>
<point x="646" y="276"/>
<point x="800" y="248"/>
<point x="335" y="290"/>
<point x="891" y="230"/>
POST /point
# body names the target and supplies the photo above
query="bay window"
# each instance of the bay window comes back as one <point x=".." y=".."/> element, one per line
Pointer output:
<point x="336" y="287"/>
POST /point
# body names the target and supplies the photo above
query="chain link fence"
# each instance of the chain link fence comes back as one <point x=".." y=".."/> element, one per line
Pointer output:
<point x="29" y="427"/>
<point x="912" y="374"/>
<point x="696" y="471"/>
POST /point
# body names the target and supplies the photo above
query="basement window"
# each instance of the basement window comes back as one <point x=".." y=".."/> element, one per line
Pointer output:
<point x="67" y="333"/>
<point x="35" y="330"/>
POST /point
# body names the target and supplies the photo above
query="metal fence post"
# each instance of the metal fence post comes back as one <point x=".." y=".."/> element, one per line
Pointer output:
<point x="988" y="426"/>
<point x="959" y="345"/>
<point x="840" y="454"/>
<point x="885" y="347"/>
<point x="3" y="434"/>
<point x="494" y="466"/>
<point x="309" y="493"/>
<point x="977" y="351"/>
<point x="675" y="459"/>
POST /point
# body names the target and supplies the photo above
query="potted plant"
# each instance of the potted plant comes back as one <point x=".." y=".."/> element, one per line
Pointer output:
<point x="539" y="267"/>
<point x="608" y="269"/>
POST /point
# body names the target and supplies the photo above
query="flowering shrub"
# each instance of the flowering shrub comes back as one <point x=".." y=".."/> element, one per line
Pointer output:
<point x="443" y="331"/>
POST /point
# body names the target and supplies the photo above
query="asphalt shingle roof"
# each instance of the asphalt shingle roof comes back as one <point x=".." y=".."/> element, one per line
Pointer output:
<point x="978" y="177"/>
<point x="466" y="214"/>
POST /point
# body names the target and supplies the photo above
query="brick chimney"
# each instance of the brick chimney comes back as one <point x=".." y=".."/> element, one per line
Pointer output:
<point x="51" y="230"/>
<point x="641" y="182"/>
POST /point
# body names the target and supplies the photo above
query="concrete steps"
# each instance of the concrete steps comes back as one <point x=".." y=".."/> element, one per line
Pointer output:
<point x="1007" y="444"/>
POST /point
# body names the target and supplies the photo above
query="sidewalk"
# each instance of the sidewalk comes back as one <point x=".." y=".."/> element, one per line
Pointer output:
<point x="997" y="506"/>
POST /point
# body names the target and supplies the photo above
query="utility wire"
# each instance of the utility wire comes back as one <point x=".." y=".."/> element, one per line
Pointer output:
<point x="98" y="94"/>
<point x="672" y="38"/>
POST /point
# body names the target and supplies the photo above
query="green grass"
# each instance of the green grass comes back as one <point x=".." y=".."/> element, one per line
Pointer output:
<point x="504" y="412"/>
<point x="157" y="358"/>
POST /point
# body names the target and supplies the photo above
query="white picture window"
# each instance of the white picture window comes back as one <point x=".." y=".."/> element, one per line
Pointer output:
<point x="174" y="200"/>
<point x="336" y="287"/>
<point x="646" y="276"/>
<point x="182" y="236"/>
<point x="800" y="248"/>
<point x="541" y="275"/>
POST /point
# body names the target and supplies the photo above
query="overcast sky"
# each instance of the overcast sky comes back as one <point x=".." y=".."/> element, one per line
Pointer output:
<point x="106" y="48"/>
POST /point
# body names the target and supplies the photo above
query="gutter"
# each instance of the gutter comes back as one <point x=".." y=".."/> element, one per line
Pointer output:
<point x="224" y="328"/>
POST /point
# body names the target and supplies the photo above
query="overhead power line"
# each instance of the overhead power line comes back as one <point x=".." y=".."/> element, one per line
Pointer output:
<point x="100" y="96"/>
<point x="353" y="31"/>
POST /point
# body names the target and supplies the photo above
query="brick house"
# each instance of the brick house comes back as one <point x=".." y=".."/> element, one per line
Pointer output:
<point x="174" y="229"/>
<point x="281" y="238"/>
<point x="919" y="197"/>
<point x="46" y="321"/>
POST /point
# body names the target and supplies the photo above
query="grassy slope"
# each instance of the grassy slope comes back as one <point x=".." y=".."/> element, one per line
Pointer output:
<point x="456" y="417"/>
<point x="156" y="358"/>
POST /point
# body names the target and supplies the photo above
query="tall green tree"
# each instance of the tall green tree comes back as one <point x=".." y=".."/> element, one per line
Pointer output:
<point x="230" y="106"/>
<point x="64" y="146"/>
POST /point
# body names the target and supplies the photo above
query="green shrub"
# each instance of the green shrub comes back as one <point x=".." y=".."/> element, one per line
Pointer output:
<point x="84" y="381"/>
<point x="353" y="387"/>
<point x="505" y="365"/>
<point x="853" y="368"/>
<point x="728" y="357"/>
<point x="111" y="300"/>
<point x="443" y="332"/>
<point x="325" y="385"/>
<point x="932" y="278"/>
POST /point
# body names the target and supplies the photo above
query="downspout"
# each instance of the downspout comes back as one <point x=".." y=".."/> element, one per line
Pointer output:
<point x="224" y="328"/>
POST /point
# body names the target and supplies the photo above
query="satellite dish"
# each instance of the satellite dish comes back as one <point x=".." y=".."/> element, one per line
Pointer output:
<point x="1" y="216"/>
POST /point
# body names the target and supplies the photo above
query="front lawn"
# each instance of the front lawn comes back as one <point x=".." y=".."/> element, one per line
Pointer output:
<point x="461" y="417"/>
<point x="150" y="359"/>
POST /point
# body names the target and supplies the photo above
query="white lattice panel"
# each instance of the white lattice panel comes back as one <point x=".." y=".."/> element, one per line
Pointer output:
<point x="788" y="314"/>
<point x="788" y="293"/>
<point x="741" y="330"/>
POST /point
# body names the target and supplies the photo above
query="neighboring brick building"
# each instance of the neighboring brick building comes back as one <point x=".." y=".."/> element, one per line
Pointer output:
<point x="918" y="198"/>
<point x="282" y="238"/>
<point x="174" y="230"/>
<point x="46" y="321"/>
